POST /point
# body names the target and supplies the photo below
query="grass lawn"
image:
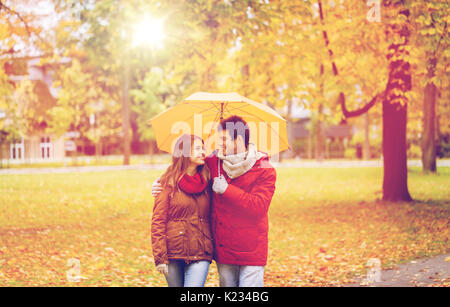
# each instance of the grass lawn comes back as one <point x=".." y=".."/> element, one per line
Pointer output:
<point x="325" y="224"/>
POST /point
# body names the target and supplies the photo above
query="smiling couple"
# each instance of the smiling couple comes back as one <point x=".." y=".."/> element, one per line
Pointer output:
<point x="197" y="219"/>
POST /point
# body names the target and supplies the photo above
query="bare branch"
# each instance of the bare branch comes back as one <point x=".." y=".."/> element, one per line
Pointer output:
<point x="341" y="98"/>
<point x="440" y="40"/>
<point x="357" y="112"/>
<point x="27" y="28"/>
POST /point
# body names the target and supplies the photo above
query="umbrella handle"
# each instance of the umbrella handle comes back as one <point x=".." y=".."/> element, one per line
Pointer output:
<point x="218" y="160"/>
<point x="218" y="166"/>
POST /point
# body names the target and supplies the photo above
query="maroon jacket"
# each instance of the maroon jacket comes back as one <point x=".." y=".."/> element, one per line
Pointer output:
<point x="239" y="217"/>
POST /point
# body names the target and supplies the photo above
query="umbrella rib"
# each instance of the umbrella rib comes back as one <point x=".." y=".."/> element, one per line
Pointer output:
<point x="197" y="106"/>
<point x="227" y="110"/>
<point x="215" y="106"/>
<point x="249" y="115"/>
<point x="225" y="107"/>
<point x="243" y="106"/>
<point x="238" y="108"/>
<point x="215" y="119"/>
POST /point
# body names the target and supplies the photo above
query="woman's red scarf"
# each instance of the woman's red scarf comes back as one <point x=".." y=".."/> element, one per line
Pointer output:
<point x="192" y="184"/>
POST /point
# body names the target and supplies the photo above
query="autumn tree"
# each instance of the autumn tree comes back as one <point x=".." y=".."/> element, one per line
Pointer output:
<point x="394" y="99"/>
<point x="149" y="100"/>
<point x="432" y="39"/>
<point x="23" y="102"/>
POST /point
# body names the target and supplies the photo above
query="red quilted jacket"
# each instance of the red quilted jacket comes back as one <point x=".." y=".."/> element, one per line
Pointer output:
<point x="239" y="217"/>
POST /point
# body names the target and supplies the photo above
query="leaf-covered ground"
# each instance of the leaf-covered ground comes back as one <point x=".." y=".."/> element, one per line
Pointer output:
<point x="325" y="224"/>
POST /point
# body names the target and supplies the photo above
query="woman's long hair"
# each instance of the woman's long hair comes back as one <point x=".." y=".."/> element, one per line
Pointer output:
<point x="180" y="161"/>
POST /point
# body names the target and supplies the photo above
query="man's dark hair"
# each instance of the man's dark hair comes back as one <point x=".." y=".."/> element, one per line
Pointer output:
<point x="236" y="125"/>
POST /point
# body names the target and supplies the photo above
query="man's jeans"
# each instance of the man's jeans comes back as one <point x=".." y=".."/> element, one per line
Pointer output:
<point x="240" y="275"/>
<point x="187" y="275"/>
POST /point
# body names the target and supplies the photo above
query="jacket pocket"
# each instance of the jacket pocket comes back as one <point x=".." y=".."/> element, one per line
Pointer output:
<point x="207" y="240"/>
<point x="176" y="240"/>
<point x="244" y="239"/>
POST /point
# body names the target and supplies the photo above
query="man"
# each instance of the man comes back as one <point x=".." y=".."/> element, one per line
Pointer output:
<point x="243" y="192"/>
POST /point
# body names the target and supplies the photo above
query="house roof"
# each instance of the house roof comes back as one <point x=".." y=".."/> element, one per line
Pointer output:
<point x="332" y="131"/>
<point x="300" y="131"/>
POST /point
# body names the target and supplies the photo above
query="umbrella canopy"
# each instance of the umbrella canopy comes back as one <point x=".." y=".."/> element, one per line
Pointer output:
<point x="200" y="113"/>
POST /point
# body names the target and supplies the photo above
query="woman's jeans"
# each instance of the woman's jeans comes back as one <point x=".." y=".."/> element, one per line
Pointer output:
<point x="187" y="275"/>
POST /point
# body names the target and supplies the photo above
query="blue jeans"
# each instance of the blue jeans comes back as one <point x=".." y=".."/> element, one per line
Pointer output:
<point x="187" y="275"/>
<point x="240" y="275"/>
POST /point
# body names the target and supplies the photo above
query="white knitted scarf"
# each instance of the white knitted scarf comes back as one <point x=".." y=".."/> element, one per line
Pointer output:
<point x="238" y="164"/>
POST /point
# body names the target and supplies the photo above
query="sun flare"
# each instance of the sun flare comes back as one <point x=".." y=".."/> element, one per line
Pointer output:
<point x="149" y="32"/>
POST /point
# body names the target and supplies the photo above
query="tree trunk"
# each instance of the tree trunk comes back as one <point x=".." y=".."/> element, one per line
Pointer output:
<point x="429" y="120"/>
<point x="1" y="153"/>
<point x="126" y="112"/>
<point x="395" y="187"/>
<point x="366" y="136"/>
<point x="309" y="145"/>
<point x="395" y="105"/>
<point x="245" y="72"/>
<point x="290" y="127"/>
<point x="150" y="151"/>
<point x="98" y="148"/>
<point x="319" y="135"/>
<point x="438" y="134"/>
<point x="319" y="130"/>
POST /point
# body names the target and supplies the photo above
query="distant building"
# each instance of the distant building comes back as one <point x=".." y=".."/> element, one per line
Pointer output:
<point x="38" y="145"/>
<point x="335" y="137"/>
<point x="35" y="148"/>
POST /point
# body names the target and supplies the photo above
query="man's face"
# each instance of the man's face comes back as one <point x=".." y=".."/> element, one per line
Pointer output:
<point x="227" y="143"/>
<point x="230" y="146"/>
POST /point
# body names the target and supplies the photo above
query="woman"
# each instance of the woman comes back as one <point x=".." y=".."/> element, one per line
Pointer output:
<point x="181" y="235"/>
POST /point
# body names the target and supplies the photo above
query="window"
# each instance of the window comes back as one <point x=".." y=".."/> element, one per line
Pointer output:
<point x="17" y="150"/>
<point x="45" y="148"/>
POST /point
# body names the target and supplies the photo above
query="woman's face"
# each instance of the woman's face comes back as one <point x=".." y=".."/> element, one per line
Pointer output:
<point x="198" y="152"/>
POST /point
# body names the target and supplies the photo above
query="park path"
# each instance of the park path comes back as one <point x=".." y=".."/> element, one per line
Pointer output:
<point x="80" y="169"/>
<point x="426" y="272"/>
<point x="290" y="164"/>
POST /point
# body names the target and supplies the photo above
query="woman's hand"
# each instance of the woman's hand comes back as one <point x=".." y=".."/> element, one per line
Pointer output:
<point x="163" y="268"/>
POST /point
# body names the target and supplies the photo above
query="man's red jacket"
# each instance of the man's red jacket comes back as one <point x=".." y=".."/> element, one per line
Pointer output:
<point x="239" y="217"/>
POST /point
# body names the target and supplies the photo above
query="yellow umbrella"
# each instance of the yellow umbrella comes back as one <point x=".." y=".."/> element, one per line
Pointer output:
<point x="200" y="113"/>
